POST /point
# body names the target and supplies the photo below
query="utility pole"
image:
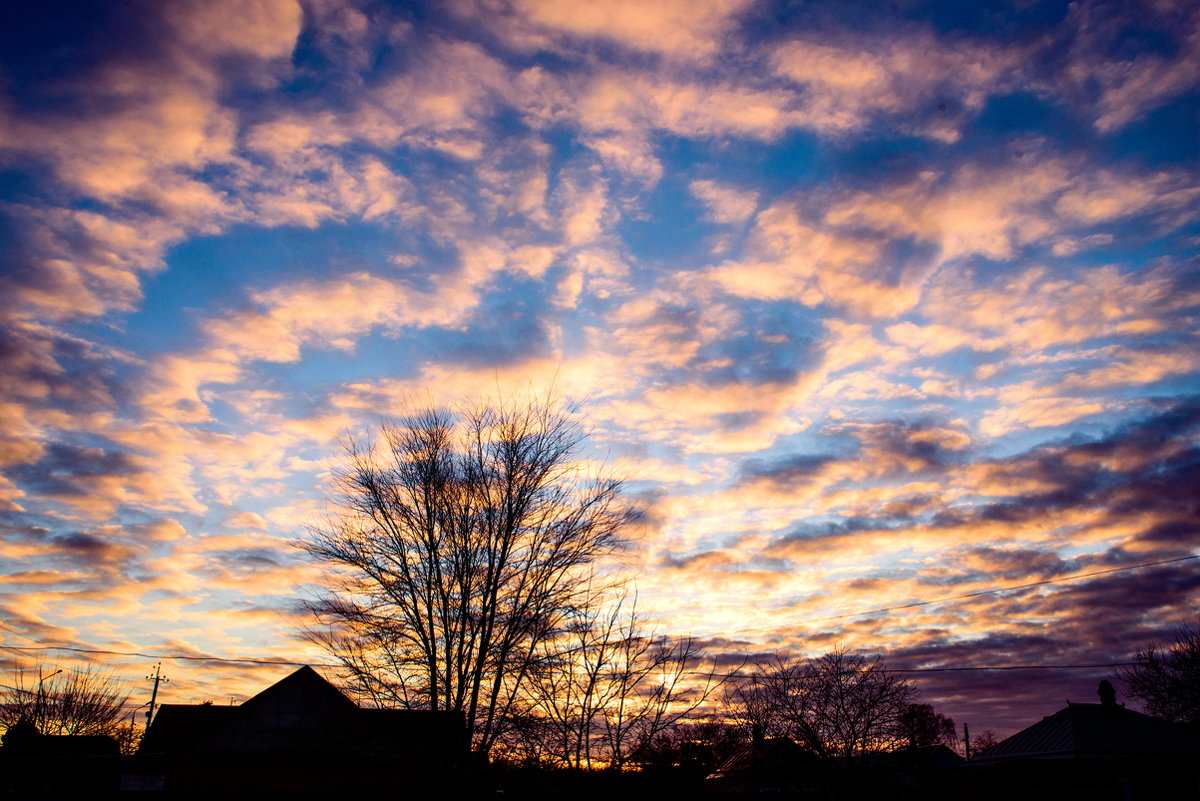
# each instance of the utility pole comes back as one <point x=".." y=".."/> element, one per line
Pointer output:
<point x="967" y="738"/>
<point x="156" y="678"/>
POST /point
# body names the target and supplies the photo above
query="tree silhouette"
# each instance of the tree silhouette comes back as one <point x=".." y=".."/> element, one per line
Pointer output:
<point x="837" y="705"/>
<point x="609" y="687"/>
<point x="982" y="742"/>
<point x="458" y="551"/>
<point x="921" y="726"/>
<point x="82" y="701"/>
<point x="1167" y="680"/>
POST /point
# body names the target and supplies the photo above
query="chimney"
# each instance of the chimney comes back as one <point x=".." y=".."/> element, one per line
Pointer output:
<point x="756" y="734"/>
<point x="1108" y="696"/>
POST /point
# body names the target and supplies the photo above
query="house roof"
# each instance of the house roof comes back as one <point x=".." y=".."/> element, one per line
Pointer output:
<point x="776" y="765"/>
<point x="308" y="701"/>
<point x="304" y="683"/>
<point x="1096" y="731"/>
<point x="303" y="712"/>
<point x="766" y="756"/>
<point x="177" y="724"/>
<point x="926" y="757"/>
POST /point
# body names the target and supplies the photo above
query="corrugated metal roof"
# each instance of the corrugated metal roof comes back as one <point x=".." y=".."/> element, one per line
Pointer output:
<point x="1098" y="730"/>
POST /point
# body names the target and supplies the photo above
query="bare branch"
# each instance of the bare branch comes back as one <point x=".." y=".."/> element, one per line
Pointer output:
<point x="86" y="700"/>
<point x="840" y="704"/>
<point x="457" y="553"/>
<point x="1167" y="679"/>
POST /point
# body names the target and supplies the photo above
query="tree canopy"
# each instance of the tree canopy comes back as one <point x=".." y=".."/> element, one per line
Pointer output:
<point x="459" y="549"/>
<point x="86" y="700"/>
<point x="840" y="704"/>
<point x="1167" y="679"/>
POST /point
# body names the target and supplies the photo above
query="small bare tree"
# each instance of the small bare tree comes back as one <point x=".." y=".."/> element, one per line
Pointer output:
<point x="1167" y="680"/>
<point x="982" y="742"/>
<point x="840" y="704"/>
<point x="748" y="704"/>
<point x="571" y="684"/>
<point x="699" y="746"/>
<point x="608" y="688"/>
<point x="85" y="700"/>
<point x="655" y="690"/>
<point x="920" y="726"/>
<point x="459" y="548"/>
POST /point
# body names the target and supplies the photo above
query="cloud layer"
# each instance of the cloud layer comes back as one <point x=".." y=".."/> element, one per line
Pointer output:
<point x="871" y="312"/>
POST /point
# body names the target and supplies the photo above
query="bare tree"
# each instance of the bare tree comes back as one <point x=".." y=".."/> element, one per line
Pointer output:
<point x="654" y="694"/>
<point x="700" y="746"/>
<point x="1167" y="680"/>
<point x="458" y="549"/>
<point x="608" y="688"/>
<point x="840" y="704"/>
<point x="651" y="688"/>
<point x="571" y="684"/>
<point x="920" y="726"/>
<point x="85" y="700"/>
<point x="982" y="742"/>
<point x="748" y="704"/>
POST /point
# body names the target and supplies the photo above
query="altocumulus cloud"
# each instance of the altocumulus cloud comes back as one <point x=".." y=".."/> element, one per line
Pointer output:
<point x="873" y="309"/>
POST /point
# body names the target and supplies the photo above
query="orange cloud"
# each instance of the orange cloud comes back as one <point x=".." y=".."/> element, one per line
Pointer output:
<point x="684" y="30"/>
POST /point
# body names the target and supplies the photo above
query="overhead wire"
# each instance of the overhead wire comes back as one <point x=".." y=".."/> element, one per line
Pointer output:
<point x="975" y="594"/>
<point x="694" y="672"/>
<point x="181" y="657"/>
<point x="843" y="616"/>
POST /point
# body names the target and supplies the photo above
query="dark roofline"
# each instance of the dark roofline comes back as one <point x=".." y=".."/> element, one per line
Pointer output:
<point x="1094" y="732"/>
<point x="302" y="675"/>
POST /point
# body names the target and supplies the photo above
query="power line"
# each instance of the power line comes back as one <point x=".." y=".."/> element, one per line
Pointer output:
<point x="963" y="669"/>
<point x="184" y="657"/>
<point x="895" y="607"/>
<point x="976" y="594"/>
<point x="971" y="668"/>
<point x="248" y="660"/>
<point x="960" y="669"/>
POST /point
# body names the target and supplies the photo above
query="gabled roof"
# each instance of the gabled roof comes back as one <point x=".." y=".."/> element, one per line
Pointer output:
<point x="301" y="706"/>
<point x="766" y="756"/>
<point x="306" y="684"/>
<point x="177" y="724"/>
<point x="925" y="757"/>
<point x="1083" y="731"/>
<point x="304" y="713"/>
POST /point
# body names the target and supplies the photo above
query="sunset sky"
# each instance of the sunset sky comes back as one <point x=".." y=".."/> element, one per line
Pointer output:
<point x="873" y="305"/>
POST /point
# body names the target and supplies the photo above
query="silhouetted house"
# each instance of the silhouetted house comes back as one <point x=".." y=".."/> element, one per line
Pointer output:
<point x="1092" y="751"/>
<point x="774" y="765"/>
<point x="32" y="762"/>
<point x="908" y="773"/>
<point x="299" y="734"/>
